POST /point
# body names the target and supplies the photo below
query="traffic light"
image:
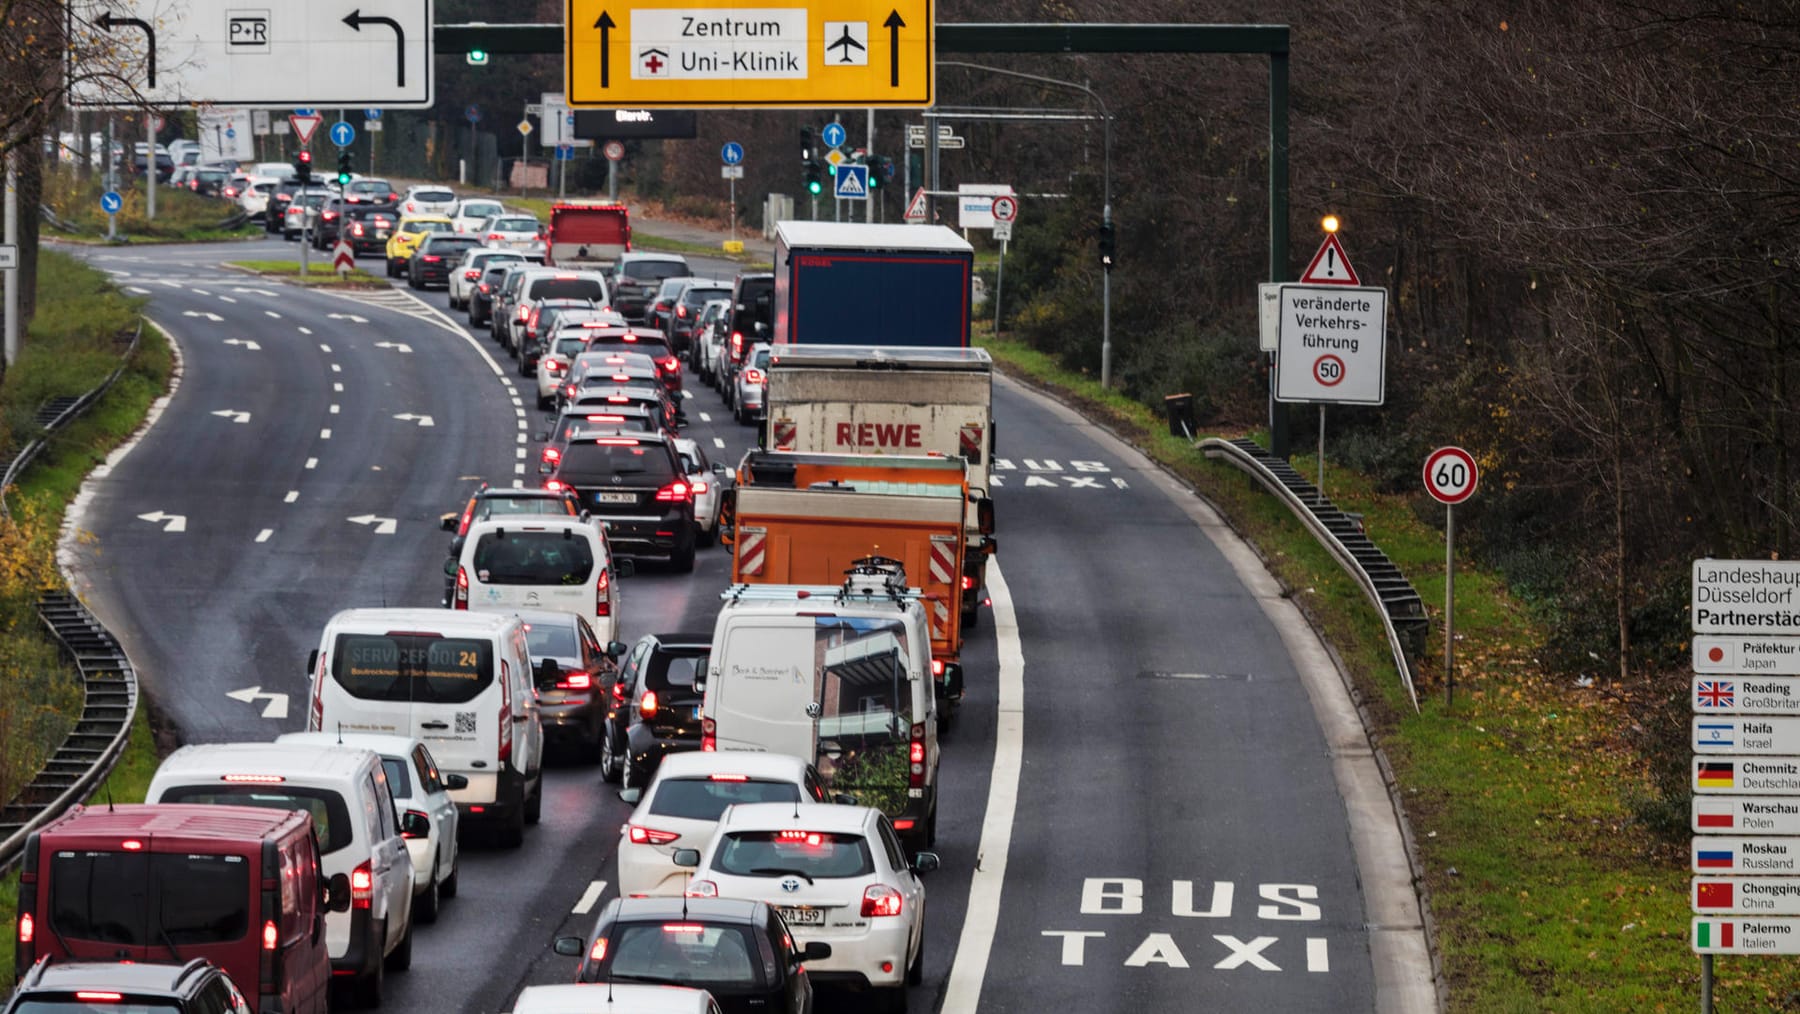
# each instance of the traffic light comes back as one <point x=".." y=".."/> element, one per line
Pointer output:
<point x="806" y="145"/>
<point x="881" y="171"/>
<point x="478" y="57"/>
<point x="344" y="172"/>
<point x="303" y="166"/>
<point x="1108" y="245"/>
<point x="809" y="166"/>
<point x="815" y="180"/>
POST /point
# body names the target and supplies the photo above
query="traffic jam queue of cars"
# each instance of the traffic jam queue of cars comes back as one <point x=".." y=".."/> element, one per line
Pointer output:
<point x="781" y="820"/>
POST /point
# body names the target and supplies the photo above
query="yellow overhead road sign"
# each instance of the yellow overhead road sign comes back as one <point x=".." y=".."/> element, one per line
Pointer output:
<point x="749" y="53"/>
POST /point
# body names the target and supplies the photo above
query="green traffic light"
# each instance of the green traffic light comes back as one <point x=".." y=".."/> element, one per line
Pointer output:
<point x="478" y="57"/>
<point x="343" y="179"/>
<point x="814" y="186"/>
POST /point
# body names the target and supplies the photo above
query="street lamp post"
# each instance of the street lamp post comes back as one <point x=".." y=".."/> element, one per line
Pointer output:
<point x="1106" y="198"/>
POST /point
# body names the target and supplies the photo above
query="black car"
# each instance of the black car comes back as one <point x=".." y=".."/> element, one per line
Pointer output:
<point x="330" y="223"/>
<point x="276" y="212"/>
<point x="587" y="422"/>
<point x="373" y="192"/>
<point x="684" y="321"/>
<point x="637" y="278"/>
<point x="654" y="709"/>
<point x="742" y="952"/>
<point x="437" y="254"/>
<point x="81" y="987"/>
<point x="752" y="309"/>
<point x="633" y="481"/>
<point x="481" y="297"/>
<point x="368" y="228"/>
<point x="575" y="676"/>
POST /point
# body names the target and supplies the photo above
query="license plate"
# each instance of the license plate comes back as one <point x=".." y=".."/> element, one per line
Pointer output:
<point x="381" y="234"/>
<point x="615" y="498"/>
<point x="696" y="712"/>
<point x="803" y="916"/>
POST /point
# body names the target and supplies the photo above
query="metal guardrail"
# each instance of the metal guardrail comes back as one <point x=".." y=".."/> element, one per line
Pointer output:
<point x="109" y="686"/>
<point x="1401" y="609"/>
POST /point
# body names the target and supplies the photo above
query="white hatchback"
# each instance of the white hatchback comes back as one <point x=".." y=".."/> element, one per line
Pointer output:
<point x="427" y="200"/>
<point x="472" y="211"/>
<point x="680" y="808"/>
<point x="838" y="874"/>
<point x="512" y="232"/>
<point x="708" y="481"/>
<point x="466" y="273"/>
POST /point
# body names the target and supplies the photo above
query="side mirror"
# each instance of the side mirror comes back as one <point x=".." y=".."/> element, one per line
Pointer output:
<point x="816" y="950"/>
<point x="984" y="515"/>
<point x="719" y="470"/>
<point x="616" y="648"/>
<point x="925" y="862"/>
<point x="450" y="566"/>
<point x="632" y="795"/>
<point x="990" y="545"/>
<point x="625" y="568"/>
<point x="448" y="522"/>
<point x="456" y="545"/>
<point x="689" y="858"/>
<point x="549" y="671"/>
<point x="337" y="893"/>
<point x="414" y="824"/>
<point x="569" y="947"/>
<point x="456" y="782"/>
<point x="845" y="799"/>
<point x="312" y="662"/>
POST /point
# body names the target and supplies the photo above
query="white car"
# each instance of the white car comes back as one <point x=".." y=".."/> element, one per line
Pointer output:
<point x="303" y="212"/>
<point x="513" y="232"/>
<point x="254" y="197"/>
<point x="838" y="874"/>
<point x="750" y="388"/>
<point x="466" y="273"/>
<point x="427" y="199"/>
<point x="553" y="366"/>
<point x="704" y="353"/>
<point x="471" y="212"/>
<point x="417" y="787"/>
<point x="680" y="808"/>
<point x="708" y="481"/>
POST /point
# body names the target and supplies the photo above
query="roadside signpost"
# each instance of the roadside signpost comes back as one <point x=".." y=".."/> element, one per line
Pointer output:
<point x="614" y="150"/>
<point x="304" y="124"/>
<point x="1745" y="770"/>
<point x="111" y="202"/>
<point x="1005" y="209"/>
<point x="851" y="183"/>
<point x="1450" y="477"/>
<point x="731" y="154"/>
<point x="777" y="54"/>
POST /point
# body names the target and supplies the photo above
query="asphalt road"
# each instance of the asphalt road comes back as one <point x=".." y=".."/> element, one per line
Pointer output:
<point x="1179" y="843"/>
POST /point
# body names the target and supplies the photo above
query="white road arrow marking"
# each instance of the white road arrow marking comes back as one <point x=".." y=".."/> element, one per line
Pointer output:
<point x="422" y="420"/>
<point x="383" y="526"/>
<point x="233" y="414"/>
<point x="349" y="317"/>
<point x="170" y="522"/>
<point x="253" y="292"/>
<point x="276" y="708"/>
<point x="396" y="346"/>
<point x="245" y="342"/>
<point x="209" y="315"/>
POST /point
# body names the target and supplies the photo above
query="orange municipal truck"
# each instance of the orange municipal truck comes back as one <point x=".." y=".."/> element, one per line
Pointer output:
<point x="807" y="518"/>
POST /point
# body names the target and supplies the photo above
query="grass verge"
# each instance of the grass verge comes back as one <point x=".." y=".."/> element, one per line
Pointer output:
<point x="181" y="215"/>
<point x="1547" y="893"/>
<point x="317" y="274"/>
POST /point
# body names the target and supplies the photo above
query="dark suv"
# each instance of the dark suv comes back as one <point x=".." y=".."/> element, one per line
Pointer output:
<point x="79" y="987"/>
<point x="638" y="277"/>
<point x="437" y="254"/>
<point x="368" y="227"/>
<point x="655" y="710"/>
<point x="684" y="322"/>
<point x="633" y="481"/>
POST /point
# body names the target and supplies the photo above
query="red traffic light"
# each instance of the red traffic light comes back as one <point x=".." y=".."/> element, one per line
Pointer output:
<point x="304" y="158"/>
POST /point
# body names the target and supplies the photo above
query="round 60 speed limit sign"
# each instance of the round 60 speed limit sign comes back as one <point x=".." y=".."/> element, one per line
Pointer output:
<point x="1450" y="475"/>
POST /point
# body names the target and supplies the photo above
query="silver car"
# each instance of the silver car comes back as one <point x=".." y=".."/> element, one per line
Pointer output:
<point x="750" y="387"/>
<point x="427" y="199"/>
<point x="708" y="334"/>
<point x="708" y="482"/>
<point x="467" y="272"/>
<point x="513" y="232"/>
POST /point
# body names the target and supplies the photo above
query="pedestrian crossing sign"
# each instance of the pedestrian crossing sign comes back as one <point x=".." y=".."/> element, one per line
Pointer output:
<point x="851" y="182"/>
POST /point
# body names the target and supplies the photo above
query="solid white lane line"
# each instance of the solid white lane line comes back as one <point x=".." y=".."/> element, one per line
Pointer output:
<point x="292" y="495"/>
<point x="589" y="898"/>
<point x="974" y="949"/>
<point x="263" y="536"/>
<point x="312" y="463"/>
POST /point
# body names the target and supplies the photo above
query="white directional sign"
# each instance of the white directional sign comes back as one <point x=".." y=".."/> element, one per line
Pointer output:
<point x="1765" y="775"/>
<point x="422" y="420"/>
<point x="245" y="344"/>
<point x="1746" y="855"/>
<point x="1746" y="815"/>
<point x="9" y="256"/>
<point x="1746" y="596"/>
<point x="975" y="204"/>
<point x="233" y="414"/>
<point x="1746" y="695"/>
<point x="1745" y="935"/>
<point x="228" y="52"/>
<point x="1332" y="346"/>
<point x="1757" y="734"/>
<point x="1747" y="653"/>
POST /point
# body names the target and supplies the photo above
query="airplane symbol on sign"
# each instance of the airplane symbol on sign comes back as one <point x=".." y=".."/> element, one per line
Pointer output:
<point x="851" y="40"/>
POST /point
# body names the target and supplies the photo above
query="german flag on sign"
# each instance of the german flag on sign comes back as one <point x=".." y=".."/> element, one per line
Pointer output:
<point x="1713" y="774"/>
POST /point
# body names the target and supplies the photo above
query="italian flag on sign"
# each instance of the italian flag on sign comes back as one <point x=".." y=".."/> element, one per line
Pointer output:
<point x="1708" y="933"/>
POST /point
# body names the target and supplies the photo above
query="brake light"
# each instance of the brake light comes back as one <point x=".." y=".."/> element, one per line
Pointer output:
<point x="684" y="927"/>
<point x="918" y="754"/>
<point x="493" y="237"/>
<point x="484" y="288"/>
<point x="702" y="889"/>
<point x="709" y="735"/>
<point x="598" y="951"/>
<point x="524" y="313"/>
<point x="649" y="835"/>
<point x="554" y="486"/>
<point x="469" y="276"/>
<point x="880" y="900"/>
<point x="462" y="588"/>
<point x="462" y="528"/>
<point x="357" y="229"/>
<point x="700" y="488"/>
<point x="618" y="692"/>
<point x="647" y="705"/>
<point x="670" y="364"/>
<point x="271" y="935"/>
<point x="552" y="455"/>
<point x="937" y="667"/>
<point x="328" y="215"/>
<point x="753" y="376"/>
<point x="231" y="191"/>
<point x="729" y="778"/>
<point x="421" y="814"/>
<point x="968" y="582"/>
<point x="95" y="996"/>
<point x="681" y="311"/>
<point x="410" y="206"/>
<point x="27" y="928"/>
<point x="576" y="681"/>
<point x="393" y="197"/>
<point x="915" y="777"/>
<point x="505" y="730"/>
<point x="254" y="779"/>
<point x="617" y="399"/>
<point x="132" y="845"/>
<point x="621" y="378"/>
<point x="675" y="492"/>
<point x="362" y="886"/>
<point x="737" y="343"/>
<point x="602" y="604"/>
<point x="812" y="838"/>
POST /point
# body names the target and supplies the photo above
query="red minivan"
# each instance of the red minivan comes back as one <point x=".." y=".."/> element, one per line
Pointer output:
<point x="236" y="885"/>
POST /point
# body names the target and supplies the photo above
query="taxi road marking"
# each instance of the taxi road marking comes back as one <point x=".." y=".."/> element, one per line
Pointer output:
<point x="589" y="898"/>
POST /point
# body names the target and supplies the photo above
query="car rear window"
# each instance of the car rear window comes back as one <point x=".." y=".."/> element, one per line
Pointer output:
<point x="434" y="196"/>
<point x="655" y="270"/>
<point x="149" y="899"/>
<point x="478" y="209"/>
<point x="567" y="288"/>
<point x="551" y="640"/>
<point x="418" y="667"/>
<point x="685" y="952"/>
<point x="516" y="225"/>
<point x="648" y="462"/>
<point x="669" y="670"/>
<point x="569" y="347"/>
<point x="697" y="296"/>
<point x="707" y="798"/>
<point x="69" y="1004"/>
<point x="818" y="854"/>
<point x="331" y="817"/>
<point x="495" y="506"/>
<point x="533" y="558"/>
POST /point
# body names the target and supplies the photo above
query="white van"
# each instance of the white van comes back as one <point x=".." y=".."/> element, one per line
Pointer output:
<point x="838" y="676"/>
<point x="346" y="791"/>
<point x="539" y="562"/>
<point x="461" y="682"/>
<point x="613" y="998"/>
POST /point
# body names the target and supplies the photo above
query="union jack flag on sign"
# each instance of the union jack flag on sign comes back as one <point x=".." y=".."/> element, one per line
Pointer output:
<point x="1713" y="694"/>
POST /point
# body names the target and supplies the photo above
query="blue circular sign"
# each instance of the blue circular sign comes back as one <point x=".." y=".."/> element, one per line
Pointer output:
<point x="371" y="114"/>
<point x="231" y="132"/>
<point x="304" y="112"/>
<point x="732" y="153"/>
<point x="342" y="134"/>
<point x="834" y="135"/>
<point x="473" y="113"/>
<point x="111" y="202"/>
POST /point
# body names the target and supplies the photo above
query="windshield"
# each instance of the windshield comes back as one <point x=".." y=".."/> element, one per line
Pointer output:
<point x="706" y="799"/>
<point x="330" y="816"/>
<point x="533" y="558"/>
<point x="149" y="899"/>
<point x="816" y="854"/>
<point x="424" y="668"/>
<point x="684" y="953"/>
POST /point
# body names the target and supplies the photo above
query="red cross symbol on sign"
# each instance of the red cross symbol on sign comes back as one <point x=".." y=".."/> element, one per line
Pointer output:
<point x="652" y="60"/>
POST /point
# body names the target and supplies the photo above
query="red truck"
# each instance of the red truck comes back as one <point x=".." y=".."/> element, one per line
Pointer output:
<point x="587" y="234"/>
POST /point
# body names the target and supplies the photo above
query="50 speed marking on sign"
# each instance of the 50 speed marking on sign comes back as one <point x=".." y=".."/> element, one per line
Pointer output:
<point x="1450" y="475"/>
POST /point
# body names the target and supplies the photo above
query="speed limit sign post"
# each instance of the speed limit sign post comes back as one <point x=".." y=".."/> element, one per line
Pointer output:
<point x="1450" y="478"/>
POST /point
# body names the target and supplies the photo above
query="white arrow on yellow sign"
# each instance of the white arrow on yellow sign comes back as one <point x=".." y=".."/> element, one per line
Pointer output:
<point x="740" y="54"/>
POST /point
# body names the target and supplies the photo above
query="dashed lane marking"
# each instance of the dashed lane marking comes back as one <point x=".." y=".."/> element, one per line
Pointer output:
<point x="337" y="387"/>
<point x="324" y="347"/>
<point x="306" y="330"/>
<point x="334" y="408"/>
<point x="312" y="463"/>
<point x="589" y="898"/>
<point x="227" y="299"/>
<point x="272" y="313"/>
<point x="705" y="417"/>
<point x="719" y="442"/>
<point x="263" y="536"/>
<point x="292" y="495"/>
<point x="324" y="434"/>
<point x="335" y="368"/>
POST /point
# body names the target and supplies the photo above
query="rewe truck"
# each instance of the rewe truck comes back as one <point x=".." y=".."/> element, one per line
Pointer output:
<point x="845" y="283"/>
<point x="843" y="399"/>
<point x="808" y="519"/>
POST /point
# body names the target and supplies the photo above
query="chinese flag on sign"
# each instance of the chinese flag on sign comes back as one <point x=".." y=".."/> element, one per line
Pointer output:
<point x="1713" y="894"/>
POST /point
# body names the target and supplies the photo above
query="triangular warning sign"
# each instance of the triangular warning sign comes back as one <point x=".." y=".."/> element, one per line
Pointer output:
<point x="1329" y="266"/>
<point x="304" y="127"/>
<point x="915" y="208"/>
